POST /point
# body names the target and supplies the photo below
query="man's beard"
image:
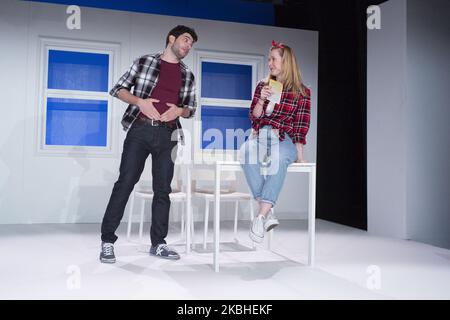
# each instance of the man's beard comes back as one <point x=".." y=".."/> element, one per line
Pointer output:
<point x="177" y="52"/>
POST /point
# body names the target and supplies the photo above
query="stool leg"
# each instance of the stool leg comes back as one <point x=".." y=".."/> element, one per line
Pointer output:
<point x="141" y="223"/>
<point x="182" y="218"/>
<point x="270" y="238"/>
<point x="192" y="232"/>
<point x="130" y="216"/>
<point x="252" y="210"/>
<point x="236" y="208"/>
<point x="252" y="215"/>
<point x="205" y="229"/>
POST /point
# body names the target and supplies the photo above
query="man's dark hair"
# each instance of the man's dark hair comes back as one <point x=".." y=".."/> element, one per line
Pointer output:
<point x="179" y="30"/>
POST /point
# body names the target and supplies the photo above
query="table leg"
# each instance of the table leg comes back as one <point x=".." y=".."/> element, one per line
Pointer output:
<point x="312" y="216"/>
<point x="217" y="217"/>
<point x="188" y="209"/>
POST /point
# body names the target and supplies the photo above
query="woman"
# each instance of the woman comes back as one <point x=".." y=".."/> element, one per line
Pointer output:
<point x="278" y="135"/>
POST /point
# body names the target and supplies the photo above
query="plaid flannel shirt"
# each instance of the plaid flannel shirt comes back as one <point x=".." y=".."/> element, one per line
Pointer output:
<point x="291" y="115"/>
<point x="143" y="76"/>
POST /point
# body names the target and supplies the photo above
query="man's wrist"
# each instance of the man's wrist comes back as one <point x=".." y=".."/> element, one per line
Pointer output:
<point x="180" y="111"/>
<point x="139" y="102"/>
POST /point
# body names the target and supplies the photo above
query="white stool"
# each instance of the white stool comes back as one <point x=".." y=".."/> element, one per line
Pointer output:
<point x="228" y="194"/>
<point x="225" y="197"/>
<point x="145" y="195"/>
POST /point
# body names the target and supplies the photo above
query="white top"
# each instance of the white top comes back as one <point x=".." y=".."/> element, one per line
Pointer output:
<point x="269" y="108"/>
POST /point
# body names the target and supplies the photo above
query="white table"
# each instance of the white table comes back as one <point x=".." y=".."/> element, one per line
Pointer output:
<point x="220" y="166"/>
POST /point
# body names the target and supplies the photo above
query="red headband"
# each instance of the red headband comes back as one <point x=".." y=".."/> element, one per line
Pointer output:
<point x="278" y="45"/>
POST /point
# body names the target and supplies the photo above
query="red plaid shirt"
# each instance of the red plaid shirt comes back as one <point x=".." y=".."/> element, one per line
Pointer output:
<point x="291" y="115"/>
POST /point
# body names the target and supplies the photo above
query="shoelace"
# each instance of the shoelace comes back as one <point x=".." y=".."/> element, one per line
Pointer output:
<point x="165" y="246"/>
<point x="108" y="249"/>
<point x="161" y="247"/>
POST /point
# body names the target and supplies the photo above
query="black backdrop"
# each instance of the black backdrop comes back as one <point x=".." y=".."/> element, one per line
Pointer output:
<point x="341" y="136"/>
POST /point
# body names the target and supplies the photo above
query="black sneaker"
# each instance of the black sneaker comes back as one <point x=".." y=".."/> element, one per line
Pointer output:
<point x="107" y="254"/>
<point x="163" y="251"/>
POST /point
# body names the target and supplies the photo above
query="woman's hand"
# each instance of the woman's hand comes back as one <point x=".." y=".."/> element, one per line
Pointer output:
<point x="300" y="156"/>
<point x="266" y="92"/>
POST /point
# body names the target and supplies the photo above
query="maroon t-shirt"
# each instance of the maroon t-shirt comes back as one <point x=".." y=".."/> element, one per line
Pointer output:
<point x="167" y="89"/>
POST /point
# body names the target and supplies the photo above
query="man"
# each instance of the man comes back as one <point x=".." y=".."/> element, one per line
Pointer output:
<point x="163" y="90"/>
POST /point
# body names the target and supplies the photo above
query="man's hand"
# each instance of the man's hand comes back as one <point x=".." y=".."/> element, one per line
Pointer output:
<point x="146" y="106"/>
<point x="172" y="113"/>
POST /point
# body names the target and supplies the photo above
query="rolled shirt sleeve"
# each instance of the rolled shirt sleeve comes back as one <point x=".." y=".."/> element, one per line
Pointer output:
<point x="256" y="98"/>
<point x="127" y="80"/>
<point x="190" y="101"/>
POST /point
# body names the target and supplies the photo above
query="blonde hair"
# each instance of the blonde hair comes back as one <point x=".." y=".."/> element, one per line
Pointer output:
<point x="290" y="75"/>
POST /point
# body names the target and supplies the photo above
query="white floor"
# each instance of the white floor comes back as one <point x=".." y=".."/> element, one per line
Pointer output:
<point x="57" y="261"/>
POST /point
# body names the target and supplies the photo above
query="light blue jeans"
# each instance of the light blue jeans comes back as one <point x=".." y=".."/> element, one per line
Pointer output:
<point x="265" y="160"/>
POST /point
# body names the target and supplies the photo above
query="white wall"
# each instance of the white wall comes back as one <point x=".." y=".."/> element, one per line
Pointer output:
<point x="408" y="132"/>
<point x="428" y="148"/>
<point x="386" y="123"/>
<point x="43" y="189"/>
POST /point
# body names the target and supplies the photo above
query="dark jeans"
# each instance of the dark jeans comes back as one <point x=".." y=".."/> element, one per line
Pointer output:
<point x="143" y="139"/>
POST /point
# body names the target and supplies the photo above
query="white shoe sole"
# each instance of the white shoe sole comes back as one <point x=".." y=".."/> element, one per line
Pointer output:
<point x="269" y="225"/>
<point x="167" y="258"/>
<point x="103" y="260"/>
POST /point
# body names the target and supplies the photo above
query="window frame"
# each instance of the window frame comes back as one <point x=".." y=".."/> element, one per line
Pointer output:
<point x="112" y="50"/>
<point x="256" y="61"/>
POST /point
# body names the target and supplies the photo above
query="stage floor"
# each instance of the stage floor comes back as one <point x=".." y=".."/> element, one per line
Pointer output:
<point x="60" y="261"/>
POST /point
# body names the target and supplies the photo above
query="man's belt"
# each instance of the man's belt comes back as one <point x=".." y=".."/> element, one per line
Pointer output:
<point x="157" y="123"/>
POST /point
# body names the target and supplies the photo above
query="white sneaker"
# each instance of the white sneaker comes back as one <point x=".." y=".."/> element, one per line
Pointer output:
<point x="271" y="221"/>
<point x="257" y="229"/>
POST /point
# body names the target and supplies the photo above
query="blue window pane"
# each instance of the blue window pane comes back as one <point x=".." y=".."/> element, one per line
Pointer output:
<point x="76" y="122"/>
<point x="226" y="81"/>
<point x="70" y="70"/>
<point x="224" y="128"/>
